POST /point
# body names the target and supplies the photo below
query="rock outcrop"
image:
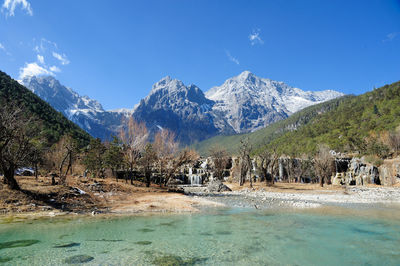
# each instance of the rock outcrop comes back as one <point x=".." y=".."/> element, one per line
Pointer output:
<point x="360" y="172"/>
<point x="390" y="172"/>
<point x="217" y="186"/>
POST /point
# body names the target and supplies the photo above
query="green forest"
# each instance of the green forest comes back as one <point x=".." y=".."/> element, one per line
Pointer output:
<point x="52" y="124"/>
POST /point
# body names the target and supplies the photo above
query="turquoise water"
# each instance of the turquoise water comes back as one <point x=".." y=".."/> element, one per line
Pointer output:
<point x="215" y="237"/>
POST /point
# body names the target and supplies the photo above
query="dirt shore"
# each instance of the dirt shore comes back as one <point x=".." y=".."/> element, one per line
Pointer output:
<point x="106" y="196"/>
<point x="92" y="196"/>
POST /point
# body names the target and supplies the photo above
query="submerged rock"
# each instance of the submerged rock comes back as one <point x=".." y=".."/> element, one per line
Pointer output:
<point x="107" y="240"/>
<point x="168" y="260"/>
<point x="168" y="224"/>
<point x="18" y="243"/>
<point x="223" y="232"/>
<point x="146" y="230"/>
<point x="5" y="259"/>
<point x="69" y="245"/>
<point x="78" y="259"/>
<point x="144" y="243"/>
<point x="174" y="260"/>
<point x="217" y="186"/>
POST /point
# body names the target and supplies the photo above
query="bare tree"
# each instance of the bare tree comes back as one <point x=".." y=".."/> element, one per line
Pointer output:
<point x="301" y="166"/>
<point x="185" y="156"/>
<point x="134" y="138"/>
<point x="16" y="146"/>
<point x="264" y="161"/>
<point x="37" y="156"/>
<point x="166" y="147"/>
<point x="220" y="161"/>
<point x="69" y="148"/>
<point x="268" y="165"/>
<point x="323" y="162"/>
<point x="245" y="162"/>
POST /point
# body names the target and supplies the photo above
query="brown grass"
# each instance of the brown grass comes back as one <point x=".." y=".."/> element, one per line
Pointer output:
<point x="101" y="195"/>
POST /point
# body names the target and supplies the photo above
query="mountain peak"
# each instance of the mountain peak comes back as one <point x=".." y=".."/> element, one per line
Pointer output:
<point x="245" y="75"/>
<point x="168" y="84"/>
<point x="40" y="79"/>
<point x="250" y="102"/>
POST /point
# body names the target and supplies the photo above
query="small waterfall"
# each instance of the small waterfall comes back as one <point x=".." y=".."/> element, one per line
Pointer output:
<point x="195" y="180"/>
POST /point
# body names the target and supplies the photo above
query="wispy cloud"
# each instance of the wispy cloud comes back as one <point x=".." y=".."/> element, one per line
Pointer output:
<point x="33" y="69"/>
<point x="232" y="58"/>
<point x="255" y="38"/>
<point x="40" y="58"/>
<point x="55" y="69"/>
<point x="44" y="49"/>
<point x="43" y="45"/>
<point x="391" y="36"/>
<point x="4" y="49"/>
<point x="9" y="7"/>
<point x="62" y="58"/>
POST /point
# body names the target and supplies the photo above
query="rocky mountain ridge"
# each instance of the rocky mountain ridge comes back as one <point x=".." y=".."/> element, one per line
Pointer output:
<point x="242" y="104"/>
<point x="250" y="103"/>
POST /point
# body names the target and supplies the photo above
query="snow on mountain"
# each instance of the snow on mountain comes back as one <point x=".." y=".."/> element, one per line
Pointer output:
<point x="82" y="110"/>
<point x="242" y="104"/>
<point x="123" y="111"/>
<point x="180" y="108"/>
<point x="250" y="103"/>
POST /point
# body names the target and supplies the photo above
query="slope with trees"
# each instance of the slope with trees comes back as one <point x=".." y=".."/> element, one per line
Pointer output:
<point x="52" y="124"/>
<point x="264" y="136"/>
<point x="28" y="127"/>
<point x="366" y="124"/>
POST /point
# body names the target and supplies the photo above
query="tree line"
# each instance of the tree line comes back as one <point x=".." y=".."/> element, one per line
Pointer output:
<point x="264" y="166"/>
<point x="22" y="144"/>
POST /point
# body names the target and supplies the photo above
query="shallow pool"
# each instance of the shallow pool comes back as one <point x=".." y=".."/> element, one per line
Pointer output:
<point x="215" y="237"/>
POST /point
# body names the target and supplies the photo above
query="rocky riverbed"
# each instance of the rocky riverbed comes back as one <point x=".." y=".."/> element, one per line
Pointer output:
<point x="263" y="199"/>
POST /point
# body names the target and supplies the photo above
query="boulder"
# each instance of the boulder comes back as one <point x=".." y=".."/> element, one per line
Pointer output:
<point x="217" y="186"/>
<point x="338" y="179"/>
<point x="390" y="172"/>
<point x="174" y="181"/>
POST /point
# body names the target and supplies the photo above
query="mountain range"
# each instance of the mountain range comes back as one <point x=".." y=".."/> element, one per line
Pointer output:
<point x="242" y="104"/>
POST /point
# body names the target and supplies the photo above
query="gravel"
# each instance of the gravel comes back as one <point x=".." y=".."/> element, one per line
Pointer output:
<point x="261" y="199"/>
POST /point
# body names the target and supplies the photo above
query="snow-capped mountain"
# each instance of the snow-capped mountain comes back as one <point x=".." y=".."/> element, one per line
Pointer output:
<point x="180" y="108"/>
<point x="249" y="103"/>
<point x="85" y="112"/>
<point x="242" y="104"/>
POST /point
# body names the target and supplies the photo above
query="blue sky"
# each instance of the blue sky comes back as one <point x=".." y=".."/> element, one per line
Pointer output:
<point x="113" y="51"/>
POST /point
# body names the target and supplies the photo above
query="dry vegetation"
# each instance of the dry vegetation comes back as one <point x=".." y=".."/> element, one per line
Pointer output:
<point x="100" y="196"/>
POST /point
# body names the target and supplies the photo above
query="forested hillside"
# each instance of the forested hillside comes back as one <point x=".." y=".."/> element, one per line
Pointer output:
<point x="52" y="124"/>
<point x="264" y="136"/>
<point x="362" y="124"/>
